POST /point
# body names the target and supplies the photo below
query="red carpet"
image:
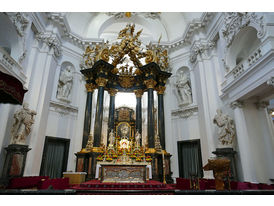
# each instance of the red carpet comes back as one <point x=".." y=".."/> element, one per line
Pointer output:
<point x="150" y="187"/>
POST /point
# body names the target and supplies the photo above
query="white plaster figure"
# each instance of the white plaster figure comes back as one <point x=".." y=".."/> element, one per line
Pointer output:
<point x="65" y="83"/>
<point x="183" y="89"/>
<point x="137" y="139"/>
<point x="23" y="120"/>
<point x="111" y="138"/>
<point x="226" y="128"/>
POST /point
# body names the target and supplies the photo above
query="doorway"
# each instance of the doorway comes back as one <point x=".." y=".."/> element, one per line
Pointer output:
<point x="55" y="157"/>
<point x="190" y="159"/>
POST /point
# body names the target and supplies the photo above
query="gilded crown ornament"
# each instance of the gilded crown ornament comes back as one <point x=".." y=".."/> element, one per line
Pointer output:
<point x="127" y="46"/>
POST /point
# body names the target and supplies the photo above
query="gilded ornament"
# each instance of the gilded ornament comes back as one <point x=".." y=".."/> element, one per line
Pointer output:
<point x="112" y="92"/>
<point x="150" y="83"/>
<point x="139" y="92"/>
<point x="101" y="82"/>
<point x="161" y="89"/>
<point x="90" y="87"/>
<point x="126" y="81"/>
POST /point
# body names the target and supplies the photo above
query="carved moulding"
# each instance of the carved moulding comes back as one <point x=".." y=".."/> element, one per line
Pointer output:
<point x="63" y="109"/>
<point x="235" y="21"/>
<point x="270" y="82"/>
<point x="184" y="112"/>
<point x="52" y="41"/>
<point x="199" y="48"/>
<point x="236" y="104"/>
<point x="20" y="22"/>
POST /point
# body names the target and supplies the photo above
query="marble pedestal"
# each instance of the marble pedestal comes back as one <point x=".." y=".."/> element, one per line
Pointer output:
<point x="230" y="154"/>
<point x="15" y="160"/>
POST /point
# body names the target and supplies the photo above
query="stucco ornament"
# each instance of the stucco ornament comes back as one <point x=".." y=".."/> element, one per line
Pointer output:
<point x="227" y="130"/>
<point x="21" y="128"/>
<point x="235" y="21"/>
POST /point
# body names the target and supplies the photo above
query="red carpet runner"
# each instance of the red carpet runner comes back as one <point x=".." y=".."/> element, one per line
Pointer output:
<point x="150" y="187"/>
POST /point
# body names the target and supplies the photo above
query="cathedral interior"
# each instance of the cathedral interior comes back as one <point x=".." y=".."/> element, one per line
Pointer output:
<point x="171" y="100"/>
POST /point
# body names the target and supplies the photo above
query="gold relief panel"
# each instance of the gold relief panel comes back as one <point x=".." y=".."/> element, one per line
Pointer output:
<point x="126" y="81"/>
<point x="101" y="82"/>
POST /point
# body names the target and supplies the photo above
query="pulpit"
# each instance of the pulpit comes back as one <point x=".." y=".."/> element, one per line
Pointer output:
<point x="221" y="168"/>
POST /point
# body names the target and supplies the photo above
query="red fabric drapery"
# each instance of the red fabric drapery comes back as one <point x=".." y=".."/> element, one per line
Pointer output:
<point x="11" y="89"/>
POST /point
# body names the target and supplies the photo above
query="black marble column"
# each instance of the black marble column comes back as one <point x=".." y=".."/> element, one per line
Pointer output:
<point x="161" y="116"/>
<point x="138" y="125"/>
<point x="150" y="118"/>
<point x="88" y="112"/>
<point x="112" y="94"/>
<point x="99" y="113"/>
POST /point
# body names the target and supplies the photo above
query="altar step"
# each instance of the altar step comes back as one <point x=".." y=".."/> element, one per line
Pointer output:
<point x="150" y="187"/>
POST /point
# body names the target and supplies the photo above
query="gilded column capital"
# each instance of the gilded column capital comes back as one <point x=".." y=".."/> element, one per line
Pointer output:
<point x="90" y="87"/>
<point x="150" y="83"/>
<point x="101" y="82"/>
<point x="139" y="92"/>
<point x="160" y="89"/>
<point x="112" y="92"/>
<point x="236" y="104"/>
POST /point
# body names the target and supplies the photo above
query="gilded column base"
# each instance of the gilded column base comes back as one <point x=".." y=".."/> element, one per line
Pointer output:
<point x="151" y="150"/>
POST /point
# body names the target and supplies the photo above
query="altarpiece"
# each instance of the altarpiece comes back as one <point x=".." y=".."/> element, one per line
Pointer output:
<point x="107" y="68"/>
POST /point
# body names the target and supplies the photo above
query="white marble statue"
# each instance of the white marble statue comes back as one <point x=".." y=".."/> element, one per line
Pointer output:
<point x="226" y="128"/>
<point x="23" y="120"/>
<point x="137" y="139"/>
<point x="183" y="89"/>
<point x="111" y="138"/>
<point x="65" y="83"/>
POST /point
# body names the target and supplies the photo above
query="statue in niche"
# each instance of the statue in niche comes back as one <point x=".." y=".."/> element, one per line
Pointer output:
<point x="23" y="120"/>
<point x="226" y="126"/>
<point x="183" y="89"/>
<point x="65" y="83"/>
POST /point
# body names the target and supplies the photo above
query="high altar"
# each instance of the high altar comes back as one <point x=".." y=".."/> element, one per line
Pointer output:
<point x="125" y="158"/>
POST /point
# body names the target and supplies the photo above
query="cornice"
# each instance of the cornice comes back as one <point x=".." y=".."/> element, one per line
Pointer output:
<point x="60" y="19"/>
<point x="184" y="112"/>
<point x="63" y="109"/>
<point x="191" y="29"/>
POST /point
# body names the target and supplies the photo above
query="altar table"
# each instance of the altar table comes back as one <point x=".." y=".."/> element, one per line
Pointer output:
<point x="113" y="172"/>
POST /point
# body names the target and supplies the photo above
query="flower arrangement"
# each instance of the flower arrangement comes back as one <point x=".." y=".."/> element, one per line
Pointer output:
<point x="148" y="159"/>
<point x="114" y="156"/>
<point x="138" y="159"/>
<point x="109" y="159"/>
<point x="100" y="158"/>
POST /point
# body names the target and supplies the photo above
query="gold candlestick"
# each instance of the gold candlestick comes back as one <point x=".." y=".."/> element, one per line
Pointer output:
<point x="164" y="166"/>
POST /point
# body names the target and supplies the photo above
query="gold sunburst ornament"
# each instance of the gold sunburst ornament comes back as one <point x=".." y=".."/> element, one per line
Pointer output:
<point x="128" y="14"/>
